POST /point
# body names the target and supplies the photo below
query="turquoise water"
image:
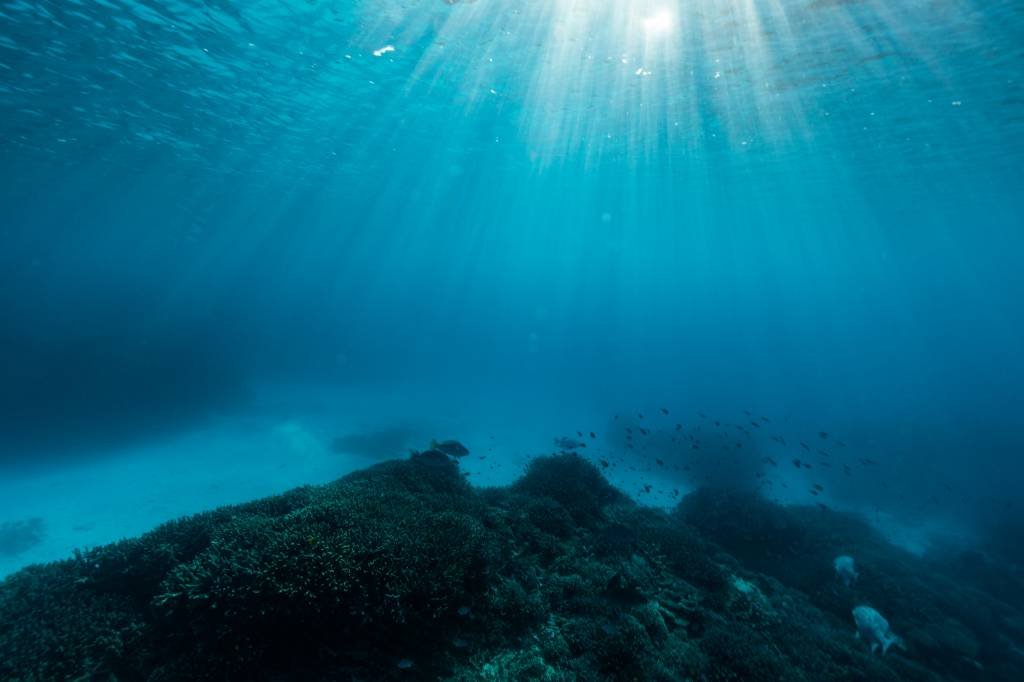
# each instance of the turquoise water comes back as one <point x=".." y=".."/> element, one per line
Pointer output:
<point x="234" y="232"/>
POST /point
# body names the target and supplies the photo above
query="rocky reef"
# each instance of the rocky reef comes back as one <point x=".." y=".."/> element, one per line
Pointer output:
<point x="404" y="571"/>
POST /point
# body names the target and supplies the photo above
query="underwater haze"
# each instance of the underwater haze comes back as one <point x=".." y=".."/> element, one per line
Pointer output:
<point x="763" y="250"/>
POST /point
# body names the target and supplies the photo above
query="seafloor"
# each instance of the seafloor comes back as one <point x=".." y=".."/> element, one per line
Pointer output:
<point x="405" y="571"/>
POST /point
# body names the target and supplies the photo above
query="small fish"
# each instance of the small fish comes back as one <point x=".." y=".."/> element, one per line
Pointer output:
<point x="660" y="463"/>
<point x="604" y="463"/>
<point x="797" y="463"/>
<point x="593" y="435"/>
<point x="823" y="435"/>
<point x="664" y="411"/>
<point x="679" y="427"/>
<point x="405" y="664"/>
<point x="640" y="415"/>
<point x="805" y="446"/>
<point x="702" y="415"/>
<point x="818" y="487"/>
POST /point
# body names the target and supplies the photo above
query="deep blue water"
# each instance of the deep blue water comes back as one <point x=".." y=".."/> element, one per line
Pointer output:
<point x="514" y="217"/>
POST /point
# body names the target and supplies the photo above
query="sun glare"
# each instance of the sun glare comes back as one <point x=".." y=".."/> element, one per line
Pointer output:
<point x="659" y="23"/>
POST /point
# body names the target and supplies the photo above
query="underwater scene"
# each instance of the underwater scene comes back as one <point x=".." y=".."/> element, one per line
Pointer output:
<point x="501" y="340"/>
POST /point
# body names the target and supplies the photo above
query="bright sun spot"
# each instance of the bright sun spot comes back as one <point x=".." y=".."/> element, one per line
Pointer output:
<point x="659" y="23"/>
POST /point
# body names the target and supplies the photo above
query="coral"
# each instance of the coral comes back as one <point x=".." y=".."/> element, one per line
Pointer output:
<point x="512" y="666"/>
<point x="738" y="652"/>
<point x="747" y="603"/>
<point x="404" y="571"/>
<point x="572" y="482"/>
<point x="54" y="627"/>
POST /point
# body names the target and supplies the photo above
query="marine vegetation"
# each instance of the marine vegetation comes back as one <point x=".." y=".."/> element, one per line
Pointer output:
<point x="404" y="571"/>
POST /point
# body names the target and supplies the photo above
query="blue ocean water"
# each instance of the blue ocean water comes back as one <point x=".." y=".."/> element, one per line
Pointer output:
<point x="248" y="246"/>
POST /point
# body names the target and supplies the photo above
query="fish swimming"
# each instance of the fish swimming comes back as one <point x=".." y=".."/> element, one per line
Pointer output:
<point x="566" y="443"/>
<point x="845" y="569"/>
<point x="450" y="447"/>
<point x="431" y="458"/>
<point x="874" y="629"/>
